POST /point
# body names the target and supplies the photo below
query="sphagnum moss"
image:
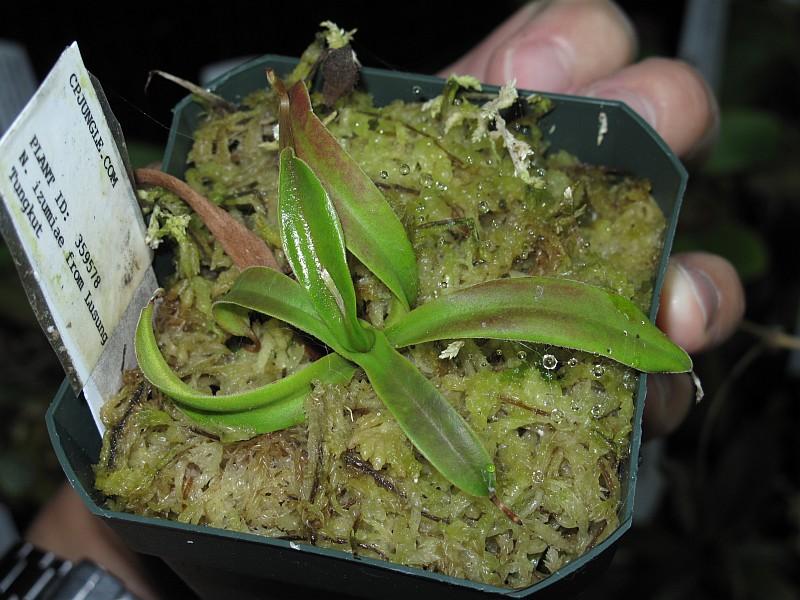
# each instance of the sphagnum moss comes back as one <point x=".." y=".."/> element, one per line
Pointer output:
<point x="556" y="422"/>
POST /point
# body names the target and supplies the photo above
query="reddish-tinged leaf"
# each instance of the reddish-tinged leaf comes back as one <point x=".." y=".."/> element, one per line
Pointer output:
<point x="549" y="311"/>
<point x="372" y="231"/>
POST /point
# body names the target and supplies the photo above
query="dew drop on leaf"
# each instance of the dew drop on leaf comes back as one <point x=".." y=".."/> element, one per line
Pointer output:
<point x="549" y="362"/>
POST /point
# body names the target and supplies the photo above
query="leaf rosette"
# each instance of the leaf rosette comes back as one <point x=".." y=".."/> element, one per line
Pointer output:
<point x="328" y="206"/>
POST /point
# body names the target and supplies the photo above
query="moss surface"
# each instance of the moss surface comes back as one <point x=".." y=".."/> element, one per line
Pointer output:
<point x="557" y="422"/>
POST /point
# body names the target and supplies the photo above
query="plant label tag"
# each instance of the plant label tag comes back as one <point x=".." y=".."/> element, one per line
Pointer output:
<point x="69" y="214"/>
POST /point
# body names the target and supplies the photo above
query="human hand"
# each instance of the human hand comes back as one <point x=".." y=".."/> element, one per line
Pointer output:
<point x="585" y="47"/>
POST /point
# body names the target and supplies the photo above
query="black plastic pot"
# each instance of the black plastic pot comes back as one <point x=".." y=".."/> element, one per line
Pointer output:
<point x="217" y="563"/>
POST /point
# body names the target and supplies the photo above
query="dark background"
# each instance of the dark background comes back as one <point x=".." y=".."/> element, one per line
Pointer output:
<point x="727" y="524"/>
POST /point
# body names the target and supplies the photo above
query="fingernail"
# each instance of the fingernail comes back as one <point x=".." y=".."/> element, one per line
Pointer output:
<point x="543" y="65"/>
<point x="700" y="286"/>
<point x="634" y="101"/>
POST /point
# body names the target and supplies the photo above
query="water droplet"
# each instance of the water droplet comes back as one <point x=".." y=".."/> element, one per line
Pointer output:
<point x="483" y="207"/>
<point x="522" y="355"/>
<point x="490" y="468"/>
<point x="416" y="90"/>
<point x="442" y="284"/>
<point x="384" y="175"/>
<point x="538" y="476"/>
<point x="549" y="362"/>
<point x="499" y="352"/>
<point x="609" y="351"/>
<point x="441" y="186"/>
<point x="405" y="169"/>
<point x="573" y="362"/>
<point x="426" y="180"/>
<point x="629" y="380"/>
<point x="598" y="370"/>
<point x="597" y="411"/>
<point x="457" y="101"/>
<point x="557" y="415"/>
<point x="420" y="219"/>
<point x="625" y="332"/>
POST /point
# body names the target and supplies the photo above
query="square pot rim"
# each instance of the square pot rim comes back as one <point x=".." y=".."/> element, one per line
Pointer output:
<point x="575" y="566"/>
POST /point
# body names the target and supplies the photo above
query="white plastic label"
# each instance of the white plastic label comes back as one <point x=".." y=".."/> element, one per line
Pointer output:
<point x="73" y="225"/>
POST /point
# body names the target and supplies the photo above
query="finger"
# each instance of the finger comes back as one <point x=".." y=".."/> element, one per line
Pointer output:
<point x="668" y="400"/>
<point x="671" y="96"/>
<point x="562" y="46"/>
<point x="702" y="301"/>
<point x="474" y="62"/>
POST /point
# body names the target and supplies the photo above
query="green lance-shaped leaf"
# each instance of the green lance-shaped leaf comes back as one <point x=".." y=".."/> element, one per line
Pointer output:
<point x="331" y="368"/>
<point x="549" y="311"/>
<point x="271" y="293"/>
<point x="373" y="233"/>
<point x="429" y="421"/>
<point x="276" y="415"/>
<point x="243" y="425"/>
<point x="314" y="245"/>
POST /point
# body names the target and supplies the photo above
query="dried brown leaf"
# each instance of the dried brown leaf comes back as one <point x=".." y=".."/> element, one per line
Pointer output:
<point x="244" y="247"/>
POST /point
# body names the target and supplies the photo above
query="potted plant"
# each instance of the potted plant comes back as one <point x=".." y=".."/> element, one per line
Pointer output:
<point x="323" y="304"/>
